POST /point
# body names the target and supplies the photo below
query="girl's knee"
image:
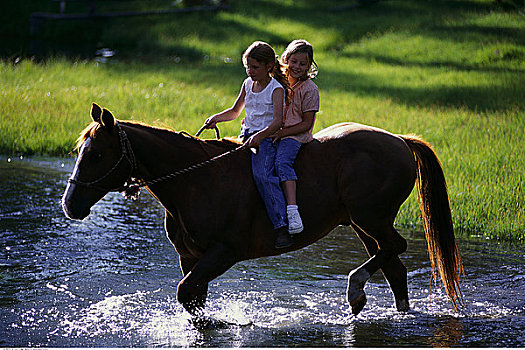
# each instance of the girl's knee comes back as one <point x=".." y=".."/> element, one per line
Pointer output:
<point x="285" y="170"/>
<point x="265" y="181"/>
<point x="285" y="159"/>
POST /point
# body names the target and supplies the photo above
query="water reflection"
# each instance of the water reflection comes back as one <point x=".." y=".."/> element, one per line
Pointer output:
<point x="110" y="281"/>
<point x="446" y="333"/>
<point x="104" y="55"/>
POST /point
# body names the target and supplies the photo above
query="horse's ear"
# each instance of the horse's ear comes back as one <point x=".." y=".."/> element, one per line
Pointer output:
<point x="107" y="119"/>
<point x="96" y="111"/>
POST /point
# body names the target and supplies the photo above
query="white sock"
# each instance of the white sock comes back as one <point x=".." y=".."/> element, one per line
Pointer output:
<point x="292" y="207"/>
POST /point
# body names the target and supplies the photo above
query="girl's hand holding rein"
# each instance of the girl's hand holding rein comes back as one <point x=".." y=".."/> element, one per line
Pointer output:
<point x="254" y="141"/>
<point x="210" y="123"/>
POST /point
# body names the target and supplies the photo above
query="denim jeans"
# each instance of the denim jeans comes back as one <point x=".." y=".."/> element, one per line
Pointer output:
<point x="287" y="150"/>
<point x="267" y="182"/>
<point x="273" y="164"/>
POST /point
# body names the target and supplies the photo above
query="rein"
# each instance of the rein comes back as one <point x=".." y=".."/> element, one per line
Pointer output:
<point x="131" y="187"/>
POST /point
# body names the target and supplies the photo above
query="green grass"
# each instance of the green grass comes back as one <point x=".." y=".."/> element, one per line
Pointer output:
<point x="452" y="72"/>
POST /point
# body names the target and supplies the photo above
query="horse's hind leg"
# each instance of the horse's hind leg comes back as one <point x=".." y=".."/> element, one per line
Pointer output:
<point x="394" y="271"/>
<point x="390" y="244"/>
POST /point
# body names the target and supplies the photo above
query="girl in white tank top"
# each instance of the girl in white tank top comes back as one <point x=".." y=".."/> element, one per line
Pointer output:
<point x="262" y="95"/>
<point x="258" y="106"/>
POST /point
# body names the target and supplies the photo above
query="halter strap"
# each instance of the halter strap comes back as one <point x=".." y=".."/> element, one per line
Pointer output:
<point x="126" y="153"/>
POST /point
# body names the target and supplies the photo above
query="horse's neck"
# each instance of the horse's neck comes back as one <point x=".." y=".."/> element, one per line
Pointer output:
<point x="159" y="152"/>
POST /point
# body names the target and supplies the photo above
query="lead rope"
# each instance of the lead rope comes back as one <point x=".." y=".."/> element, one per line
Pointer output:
<point x="132" y="188"/>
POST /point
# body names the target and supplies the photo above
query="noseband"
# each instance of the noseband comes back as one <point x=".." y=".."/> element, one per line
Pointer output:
<point x="126" y="153"/>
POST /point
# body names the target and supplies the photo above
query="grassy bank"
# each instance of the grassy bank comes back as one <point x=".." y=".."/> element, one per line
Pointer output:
<point x="452" y="72"/>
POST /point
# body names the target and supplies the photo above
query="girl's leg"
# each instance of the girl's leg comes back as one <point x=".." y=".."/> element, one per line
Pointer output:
<point x="267" y="182"/>
<point x="286" y="153"/>
<point x="289" y="189"/>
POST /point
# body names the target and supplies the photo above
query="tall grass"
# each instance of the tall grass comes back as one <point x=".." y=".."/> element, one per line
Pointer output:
<point x="449" y="71"/>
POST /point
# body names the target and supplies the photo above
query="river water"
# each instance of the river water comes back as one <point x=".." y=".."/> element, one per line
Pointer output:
<point x="110" y="281"/>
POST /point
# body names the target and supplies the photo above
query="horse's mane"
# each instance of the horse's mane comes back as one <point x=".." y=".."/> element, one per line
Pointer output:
<point x="91" y="129"/>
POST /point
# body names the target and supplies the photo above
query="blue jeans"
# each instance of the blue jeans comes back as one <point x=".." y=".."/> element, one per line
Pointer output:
<point x="287" y="151"/>
<point x="268" y="177"/>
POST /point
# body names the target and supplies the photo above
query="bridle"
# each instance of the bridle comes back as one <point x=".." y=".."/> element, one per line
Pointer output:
<point x="132" y="185"/>
<point x="126" y="153"/>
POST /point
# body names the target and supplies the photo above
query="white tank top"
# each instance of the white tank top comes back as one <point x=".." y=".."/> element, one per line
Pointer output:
<point x="258" y="106"/>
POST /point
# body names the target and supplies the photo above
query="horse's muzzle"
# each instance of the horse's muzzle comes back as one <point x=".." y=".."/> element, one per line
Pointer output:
<point x="73" y="209"/>
<point x="74" y="212"/>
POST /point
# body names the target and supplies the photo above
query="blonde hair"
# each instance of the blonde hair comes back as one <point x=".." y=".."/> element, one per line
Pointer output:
<point x="301" y="46"/>
<point x="265" y="54"/>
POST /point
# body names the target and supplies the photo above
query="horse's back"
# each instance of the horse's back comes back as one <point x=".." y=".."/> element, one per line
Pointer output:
<point x="351" y="130"/>
<point x="339" y="130"/>
<point x="353" y="139"/>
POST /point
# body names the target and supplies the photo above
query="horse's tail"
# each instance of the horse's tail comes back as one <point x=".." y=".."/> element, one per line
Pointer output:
<point x="437" y="219"/>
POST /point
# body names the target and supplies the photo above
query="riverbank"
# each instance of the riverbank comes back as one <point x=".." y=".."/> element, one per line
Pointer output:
<point x="452" y="72"/>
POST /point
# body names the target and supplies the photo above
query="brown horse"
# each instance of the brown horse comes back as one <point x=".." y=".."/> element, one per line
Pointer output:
<point x="350" y="174"/>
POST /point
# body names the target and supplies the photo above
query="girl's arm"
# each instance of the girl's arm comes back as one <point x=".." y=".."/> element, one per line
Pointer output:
<point x="305" y="125"/>
<point x="277" y="122"/>
<point x="228" y="114"/>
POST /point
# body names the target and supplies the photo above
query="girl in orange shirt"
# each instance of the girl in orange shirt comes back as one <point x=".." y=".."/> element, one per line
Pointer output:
<point x="300" y="112"/>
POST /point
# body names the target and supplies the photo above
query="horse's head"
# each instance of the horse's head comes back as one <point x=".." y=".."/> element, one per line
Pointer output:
<point x="104" y="163"/>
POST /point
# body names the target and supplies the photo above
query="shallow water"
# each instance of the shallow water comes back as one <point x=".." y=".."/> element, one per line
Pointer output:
<point x="110" y="281"/>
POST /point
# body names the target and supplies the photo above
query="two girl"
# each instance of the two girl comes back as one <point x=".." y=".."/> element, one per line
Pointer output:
<point x="280" y="107"/>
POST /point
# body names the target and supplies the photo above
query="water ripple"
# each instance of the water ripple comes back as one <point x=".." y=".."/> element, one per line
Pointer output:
<point x="110" y="281"/>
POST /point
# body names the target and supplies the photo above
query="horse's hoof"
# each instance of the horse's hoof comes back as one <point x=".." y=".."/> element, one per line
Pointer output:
<point x="207" y="322"/>
<point x="402" y="305"/>
<point x="358" y="304"/>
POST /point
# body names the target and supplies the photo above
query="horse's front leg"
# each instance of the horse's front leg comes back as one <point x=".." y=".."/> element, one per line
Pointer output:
<point x="193" y="288"/>
<point x="200" y="294"/>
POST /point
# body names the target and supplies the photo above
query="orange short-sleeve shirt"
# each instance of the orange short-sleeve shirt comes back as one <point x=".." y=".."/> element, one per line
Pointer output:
<point x="305" y="98"/>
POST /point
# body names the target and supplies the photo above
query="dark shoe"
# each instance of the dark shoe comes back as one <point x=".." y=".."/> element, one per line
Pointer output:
<point x="283" y="240"/>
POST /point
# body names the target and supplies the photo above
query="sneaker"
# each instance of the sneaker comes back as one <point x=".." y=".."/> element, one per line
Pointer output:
<point x="295" y="224"/>
<point x="283" y="240"/>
